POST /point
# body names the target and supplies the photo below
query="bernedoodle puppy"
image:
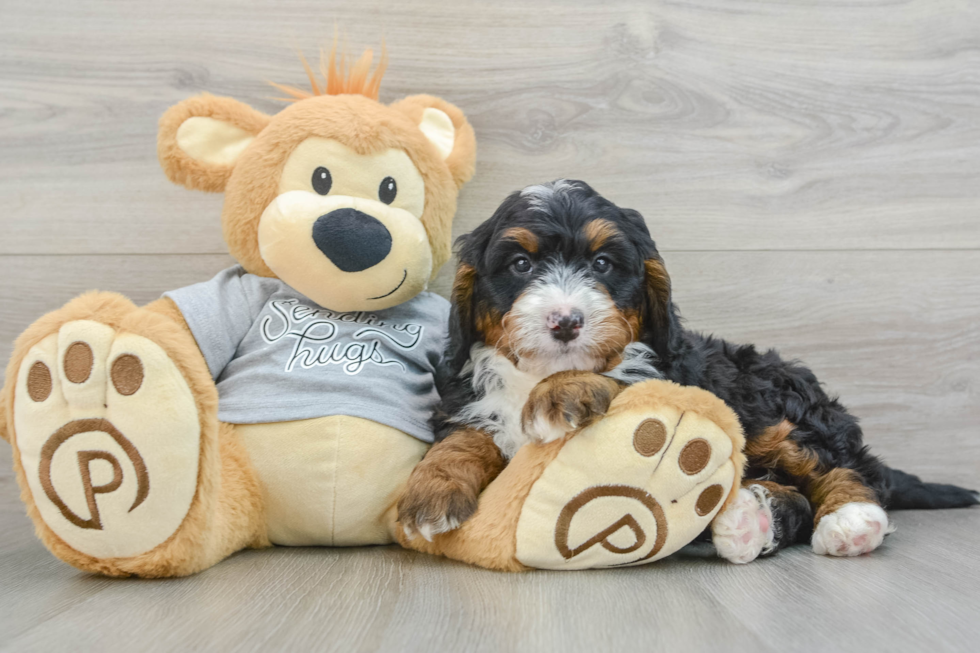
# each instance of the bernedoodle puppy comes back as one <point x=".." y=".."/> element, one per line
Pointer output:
<point x="560" y="301"/>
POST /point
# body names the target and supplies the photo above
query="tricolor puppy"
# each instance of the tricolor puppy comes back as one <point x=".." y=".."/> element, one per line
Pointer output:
<point x="560" y="301"/>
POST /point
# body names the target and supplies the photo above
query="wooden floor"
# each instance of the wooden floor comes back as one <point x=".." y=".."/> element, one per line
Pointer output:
<point x="810" y="169"/>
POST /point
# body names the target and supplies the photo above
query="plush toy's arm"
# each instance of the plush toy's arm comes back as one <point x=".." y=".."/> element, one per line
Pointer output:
<point x="217" y="314"/>
<point x="166" y="307"/>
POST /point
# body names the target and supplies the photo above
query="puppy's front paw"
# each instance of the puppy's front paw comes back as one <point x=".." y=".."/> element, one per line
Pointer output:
<point x="433" y="506"/>
<point x="565" y="402"/>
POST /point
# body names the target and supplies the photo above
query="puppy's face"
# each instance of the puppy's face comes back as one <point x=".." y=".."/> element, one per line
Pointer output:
<point x="560" y="278"/>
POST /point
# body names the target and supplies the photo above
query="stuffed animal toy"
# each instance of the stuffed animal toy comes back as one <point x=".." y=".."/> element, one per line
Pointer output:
<point x="286" y="400"/>
<point x="632" y="488"/>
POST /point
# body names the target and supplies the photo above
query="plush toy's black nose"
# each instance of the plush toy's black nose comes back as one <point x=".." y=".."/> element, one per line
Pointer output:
<point x="353" y="241"/>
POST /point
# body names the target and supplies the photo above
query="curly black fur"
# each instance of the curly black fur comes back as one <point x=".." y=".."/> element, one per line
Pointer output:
<point x="762" y="388"/>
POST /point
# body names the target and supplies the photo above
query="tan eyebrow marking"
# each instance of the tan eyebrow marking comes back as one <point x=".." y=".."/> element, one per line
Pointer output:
<point x="524" y="237"/>
<point x="599" y="232"/>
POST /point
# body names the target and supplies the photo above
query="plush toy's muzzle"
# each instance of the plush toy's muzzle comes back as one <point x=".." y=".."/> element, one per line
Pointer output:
<point x="352" y="240"/>
<point x="348" y="253"/>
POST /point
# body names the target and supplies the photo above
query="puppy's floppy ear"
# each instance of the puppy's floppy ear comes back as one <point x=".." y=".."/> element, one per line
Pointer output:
<point x="201" y="138"/>
<point x="471" y="247"/>
<point x="462" y="321"/>
<point x="445" y="126"/>
<point x="659" y="318"/>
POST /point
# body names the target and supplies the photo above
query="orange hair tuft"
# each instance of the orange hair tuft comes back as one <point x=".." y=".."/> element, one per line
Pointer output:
<point x="341" y="77"/>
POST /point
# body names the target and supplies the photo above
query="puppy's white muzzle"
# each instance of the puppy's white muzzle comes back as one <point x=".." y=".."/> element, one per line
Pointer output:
<point x="562" y="314"/>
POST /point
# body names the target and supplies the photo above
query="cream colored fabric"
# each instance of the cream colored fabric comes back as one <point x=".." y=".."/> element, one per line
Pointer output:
<point x="603" y="459"/>
<point x="290" y="252"/>
<point x="331" y="480"/>
<point x="212" y="141"/>
<point x="158" y="421"/>
<point x="286" y="224"/>
<point x="353" y="174"/>
<point x="438" y="128"/>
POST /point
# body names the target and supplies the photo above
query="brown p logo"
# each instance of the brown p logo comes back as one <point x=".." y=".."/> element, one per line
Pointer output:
<point x="85" y="459"/>
<point x="627" y="520"/>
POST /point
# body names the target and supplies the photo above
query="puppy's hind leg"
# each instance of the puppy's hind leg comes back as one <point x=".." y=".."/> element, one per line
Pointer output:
<point x="848" y="517"/>
<point x="849" y="520"/>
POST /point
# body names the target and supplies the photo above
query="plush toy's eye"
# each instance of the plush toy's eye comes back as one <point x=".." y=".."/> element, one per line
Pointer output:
<point x="387" y="190"/>
<point x="602" y="265"/>
<point x="521" y="265"/>
<point x="322" y="181"/>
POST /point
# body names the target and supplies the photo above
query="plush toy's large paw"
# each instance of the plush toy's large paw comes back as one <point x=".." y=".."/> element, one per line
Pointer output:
<point x="636" y="486"/>
<point x="108" y="436"/>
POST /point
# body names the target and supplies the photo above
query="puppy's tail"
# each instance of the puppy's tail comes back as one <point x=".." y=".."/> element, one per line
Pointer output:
<point x="908" y="492"/>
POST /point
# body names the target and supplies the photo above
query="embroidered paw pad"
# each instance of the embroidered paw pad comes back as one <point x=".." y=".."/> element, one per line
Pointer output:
<point x="633" y="488"/>
<point x="108" y="436"/>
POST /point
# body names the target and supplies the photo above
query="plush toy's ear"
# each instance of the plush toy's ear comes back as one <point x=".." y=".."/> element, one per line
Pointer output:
<point x="201" y="138"/>
<point x="447" y="129"/>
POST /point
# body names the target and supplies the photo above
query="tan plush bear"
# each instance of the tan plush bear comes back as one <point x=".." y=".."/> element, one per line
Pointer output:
<point x="286" y="400"/>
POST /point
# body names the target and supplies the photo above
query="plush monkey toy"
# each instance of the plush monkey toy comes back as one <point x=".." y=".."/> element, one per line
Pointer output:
<point x="286" y="400"/>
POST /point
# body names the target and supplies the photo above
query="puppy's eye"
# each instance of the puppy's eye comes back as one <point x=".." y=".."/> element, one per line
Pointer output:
<point x="602" y="265"/>
<point x="521" y="265"/>
<point x="322" y="181"/>
<point x="387" y="190"/>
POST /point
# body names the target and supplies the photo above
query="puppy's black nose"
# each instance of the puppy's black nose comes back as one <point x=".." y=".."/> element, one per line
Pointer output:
<point x="565" y="327"/>
<point x="352" y="240"/>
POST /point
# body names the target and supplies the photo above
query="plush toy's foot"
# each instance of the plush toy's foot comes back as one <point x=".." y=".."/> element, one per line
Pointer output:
<point x="633" y="488"/>
<point x="109" y="436"/>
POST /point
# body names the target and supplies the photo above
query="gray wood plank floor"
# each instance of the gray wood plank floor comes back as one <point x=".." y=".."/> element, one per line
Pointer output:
<point x="810" y="169"/>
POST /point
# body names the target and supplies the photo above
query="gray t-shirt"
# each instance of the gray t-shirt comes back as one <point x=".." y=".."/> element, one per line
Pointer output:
<point x="276" y="356"/>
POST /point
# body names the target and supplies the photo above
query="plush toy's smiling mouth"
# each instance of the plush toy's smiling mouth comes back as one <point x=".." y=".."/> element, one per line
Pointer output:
<point x="392" y="291"/>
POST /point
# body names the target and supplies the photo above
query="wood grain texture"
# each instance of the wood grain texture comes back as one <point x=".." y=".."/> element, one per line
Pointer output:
<point x="917" y="592"/>
<point x="731" y="125"/>
<point x="809" y="167"/>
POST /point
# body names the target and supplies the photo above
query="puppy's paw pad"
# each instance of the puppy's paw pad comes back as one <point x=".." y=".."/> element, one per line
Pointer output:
<point x="851" y="530"/>
<point x="744" y="531"/>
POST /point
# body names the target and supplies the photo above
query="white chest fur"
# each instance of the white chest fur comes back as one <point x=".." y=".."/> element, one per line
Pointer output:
<point x="502" y="388"/>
